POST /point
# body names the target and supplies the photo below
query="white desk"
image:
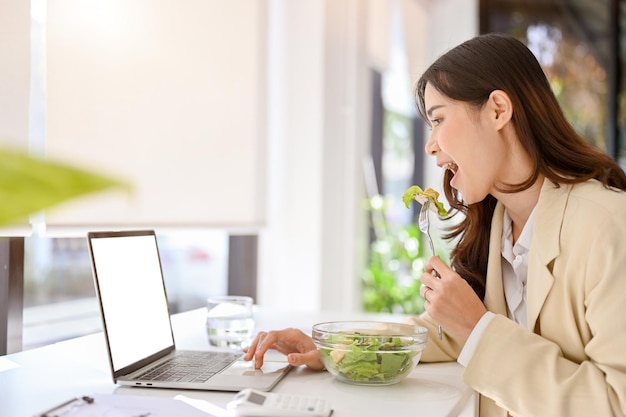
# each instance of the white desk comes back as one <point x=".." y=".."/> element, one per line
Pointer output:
<point x="44" y="377"/>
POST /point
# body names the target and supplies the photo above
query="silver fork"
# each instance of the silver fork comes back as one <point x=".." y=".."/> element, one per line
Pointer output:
<point x="424" y="225"/>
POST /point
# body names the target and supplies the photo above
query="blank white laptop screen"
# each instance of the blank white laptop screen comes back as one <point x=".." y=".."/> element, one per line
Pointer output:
<point x="135" y="314"/>
<point x="133" y="297"/>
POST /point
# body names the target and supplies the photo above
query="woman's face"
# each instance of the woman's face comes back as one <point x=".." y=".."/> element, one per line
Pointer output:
<point x="468" y="143"/>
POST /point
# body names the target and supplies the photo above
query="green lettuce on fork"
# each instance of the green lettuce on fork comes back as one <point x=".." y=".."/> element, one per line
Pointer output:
<point x="422" y="196"/>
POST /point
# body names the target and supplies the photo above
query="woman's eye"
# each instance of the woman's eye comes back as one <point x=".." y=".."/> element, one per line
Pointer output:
<point x="435" y="122"/>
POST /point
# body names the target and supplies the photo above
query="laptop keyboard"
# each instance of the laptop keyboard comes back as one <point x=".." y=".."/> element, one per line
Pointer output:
<point x="190" y="366"/>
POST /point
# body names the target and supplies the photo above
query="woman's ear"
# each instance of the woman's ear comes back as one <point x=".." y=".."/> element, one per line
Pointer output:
<point x="500" y="108"/>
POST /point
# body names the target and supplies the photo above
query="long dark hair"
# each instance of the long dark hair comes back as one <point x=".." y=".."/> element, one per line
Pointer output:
<point x="469" y="73"/>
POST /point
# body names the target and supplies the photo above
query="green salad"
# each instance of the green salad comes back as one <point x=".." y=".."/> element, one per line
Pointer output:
<point x="366" y="359"/>
<point x="421" y="196"/>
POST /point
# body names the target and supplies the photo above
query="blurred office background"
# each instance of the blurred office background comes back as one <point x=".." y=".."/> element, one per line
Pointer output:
<point x="269" y="142"/>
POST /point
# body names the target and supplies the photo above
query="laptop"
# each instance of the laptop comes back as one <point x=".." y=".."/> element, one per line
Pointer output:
<point x="135" y="317"/>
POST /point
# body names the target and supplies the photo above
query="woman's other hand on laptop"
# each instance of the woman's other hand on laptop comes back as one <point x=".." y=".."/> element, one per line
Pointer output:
<point x="298" y="347"/>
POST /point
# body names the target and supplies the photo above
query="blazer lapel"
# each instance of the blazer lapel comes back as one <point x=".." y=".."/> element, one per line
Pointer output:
<point x="494" y="293"/>
<point x="545" y="246"/>
<point x="544" y="249"/>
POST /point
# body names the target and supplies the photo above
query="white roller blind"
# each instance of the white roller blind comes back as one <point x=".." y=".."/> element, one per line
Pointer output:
<point x="14" y="72"/>
<point x="166" y="94"/>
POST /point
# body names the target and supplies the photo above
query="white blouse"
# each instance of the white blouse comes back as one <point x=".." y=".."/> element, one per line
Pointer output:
<point x="514" y="278"/>
<point x="515" y="267"/>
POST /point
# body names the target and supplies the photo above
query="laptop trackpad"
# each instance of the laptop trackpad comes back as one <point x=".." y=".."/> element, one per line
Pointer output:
<point x="241" y="374"/>
<point x="247" y="368"/>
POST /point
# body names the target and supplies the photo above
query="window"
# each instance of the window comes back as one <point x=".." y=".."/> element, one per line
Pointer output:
<point x="395" y="259"/>
<point x="582" y="48"/>
<point x="59" y="297"/>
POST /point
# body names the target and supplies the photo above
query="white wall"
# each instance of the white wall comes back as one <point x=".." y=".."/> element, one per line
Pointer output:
<point x="290" y="244"/>
<point x="346" y="143"/>
<point x="317" y="138"/>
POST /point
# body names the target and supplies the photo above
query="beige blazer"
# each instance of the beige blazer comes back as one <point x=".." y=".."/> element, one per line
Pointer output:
<point x="573" y="363"/>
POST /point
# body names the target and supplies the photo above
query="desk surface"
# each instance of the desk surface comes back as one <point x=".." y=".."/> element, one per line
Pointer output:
<point x="38" y="379"/>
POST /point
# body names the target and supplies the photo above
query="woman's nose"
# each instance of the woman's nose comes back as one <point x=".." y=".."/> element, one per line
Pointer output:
<point x="431" y="146"/>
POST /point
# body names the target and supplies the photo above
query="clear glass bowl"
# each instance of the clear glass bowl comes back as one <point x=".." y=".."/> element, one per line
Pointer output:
<point x="369" y="352"/>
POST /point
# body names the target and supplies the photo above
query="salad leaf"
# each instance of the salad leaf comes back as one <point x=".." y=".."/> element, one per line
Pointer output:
<point x="368" y="359"/>
<point x="390" y="364"/>
<point x="421" y="196"/>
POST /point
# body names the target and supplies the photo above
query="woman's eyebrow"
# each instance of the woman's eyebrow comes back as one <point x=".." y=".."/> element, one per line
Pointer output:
<point x="430" y="111"/>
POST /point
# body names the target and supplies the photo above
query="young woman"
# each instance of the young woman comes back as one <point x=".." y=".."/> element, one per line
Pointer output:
<point x="532" y="304"/>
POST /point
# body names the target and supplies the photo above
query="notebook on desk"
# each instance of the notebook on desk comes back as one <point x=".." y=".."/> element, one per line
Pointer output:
<point x="135" y="316"/>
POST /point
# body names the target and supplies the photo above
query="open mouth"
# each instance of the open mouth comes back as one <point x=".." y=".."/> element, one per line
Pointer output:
<point x="450" y="170"/>
<point x="452" y="167"/>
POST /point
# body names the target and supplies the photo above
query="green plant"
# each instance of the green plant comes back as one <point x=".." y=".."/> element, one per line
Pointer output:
<point x="29" y="184"/>
<point x="391" y="280"/>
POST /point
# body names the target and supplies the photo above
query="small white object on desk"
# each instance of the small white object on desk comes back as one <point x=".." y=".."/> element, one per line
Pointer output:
<point x="253" y="403"/>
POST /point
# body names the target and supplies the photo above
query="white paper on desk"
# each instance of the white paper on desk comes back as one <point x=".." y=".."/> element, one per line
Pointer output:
<point x="111" y="405"/>
<point x="6" y="364"/>
<point x="210" y="409"/>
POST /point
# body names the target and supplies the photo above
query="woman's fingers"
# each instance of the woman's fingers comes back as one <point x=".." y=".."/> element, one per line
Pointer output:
<point x="429" y="282"/>
<point x="450" y="300"/>
<point x="310" y="359"/>
<point x="257" y="349"/>
<point x="298" y="346"/>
